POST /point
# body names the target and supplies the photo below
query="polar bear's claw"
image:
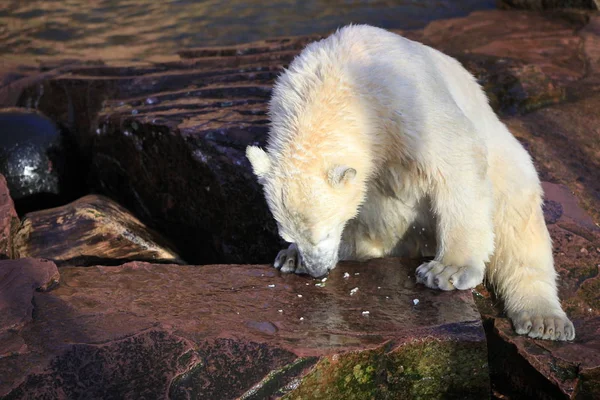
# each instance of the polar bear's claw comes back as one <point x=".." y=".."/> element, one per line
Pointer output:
<point x="436" y="275"/>
<point x="289" y="260"/>
<point x="553" y="325"/>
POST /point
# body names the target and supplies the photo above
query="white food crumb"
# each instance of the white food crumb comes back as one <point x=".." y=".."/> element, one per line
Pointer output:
<point x="299" y="295"/>
<point x="346" y="275"/>
<point x="357" y="273"/>
<point x="378" y="287"/>
<point x="324" y="279"/>
<point x="280" y="311"/>
<point x="319" y="284"/>
<point x="415" y="301"/>
<point x="301" y="318"/>
<point x="271" y="285"/>
<point x="365" y="313"/>
<point x="353" y="291"/>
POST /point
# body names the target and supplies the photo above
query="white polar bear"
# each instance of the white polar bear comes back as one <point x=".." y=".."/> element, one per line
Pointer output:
<point x="381" y="146"/>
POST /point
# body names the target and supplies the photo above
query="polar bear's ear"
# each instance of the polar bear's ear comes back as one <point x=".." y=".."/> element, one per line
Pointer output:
<point x="259" y="159"/>
<point x="340" y="175"/>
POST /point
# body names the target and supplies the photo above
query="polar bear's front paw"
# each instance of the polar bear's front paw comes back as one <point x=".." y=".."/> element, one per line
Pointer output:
<point x="289" y="260"/>
<point x="552" y="325"/>
<point x="436" y="275"/>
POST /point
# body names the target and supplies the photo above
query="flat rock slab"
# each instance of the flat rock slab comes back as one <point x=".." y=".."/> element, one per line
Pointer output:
<point x="224" y="331"/>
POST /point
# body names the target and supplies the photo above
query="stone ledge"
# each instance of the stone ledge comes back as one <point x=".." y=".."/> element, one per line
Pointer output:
<point x="223" y="331"/>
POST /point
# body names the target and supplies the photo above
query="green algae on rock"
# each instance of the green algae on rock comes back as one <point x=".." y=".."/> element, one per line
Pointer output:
<point x="424" y="368"/>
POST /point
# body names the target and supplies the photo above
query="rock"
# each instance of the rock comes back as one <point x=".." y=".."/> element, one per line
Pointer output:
<point x="91" y="230"/>
<point x="549" y="4"/>
<point x="35" y="158"/>
<point x="566" y="152"/>
<point x="18" y="281"/>
<point x="540" y="369"/>
<point x="181" y="129"/>
<point x="183" y="133"/>
<point x="9" y="221"/>
<point x="235" y="331"/>
<point x="524" y="61"/>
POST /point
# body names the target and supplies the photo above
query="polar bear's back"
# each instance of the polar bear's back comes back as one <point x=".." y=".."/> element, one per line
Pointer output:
<point x="426" y="78"/>
<point x="391" y="67"/>
<point x="438" y="76"/>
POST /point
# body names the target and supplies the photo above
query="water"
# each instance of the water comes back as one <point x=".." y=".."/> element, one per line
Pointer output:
<point x="150" y="30"/>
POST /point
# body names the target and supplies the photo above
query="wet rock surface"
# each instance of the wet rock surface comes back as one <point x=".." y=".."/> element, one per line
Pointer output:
<point x="92" y="230"/>
<point x="9" y="220"/>
<point x="225" y="331"/>
<point x="36" y="159"/>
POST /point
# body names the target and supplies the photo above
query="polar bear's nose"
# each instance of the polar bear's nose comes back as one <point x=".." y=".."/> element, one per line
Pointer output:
<point x="317" y="265"/>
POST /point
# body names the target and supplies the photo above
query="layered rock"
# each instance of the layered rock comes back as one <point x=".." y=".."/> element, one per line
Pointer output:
<point x="524" y="61"/>
<point x="92" y="230"/>
<point x="180" y="129"/>
<point x="224" y="331"/>
<point x="9" y="220"/>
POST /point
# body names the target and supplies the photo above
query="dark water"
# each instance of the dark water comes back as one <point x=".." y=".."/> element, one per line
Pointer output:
<point x="150" y="29"/>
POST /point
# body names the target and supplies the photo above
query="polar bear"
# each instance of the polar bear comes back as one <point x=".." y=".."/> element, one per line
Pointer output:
<point x="382" y="146"/>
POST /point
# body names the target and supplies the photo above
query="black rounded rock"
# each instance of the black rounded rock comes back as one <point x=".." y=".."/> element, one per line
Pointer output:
<point x="32" y="158"/>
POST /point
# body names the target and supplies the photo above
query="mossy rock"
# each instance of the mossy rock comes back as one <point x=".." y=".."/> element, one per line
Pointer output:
<point x="425" y="368"/>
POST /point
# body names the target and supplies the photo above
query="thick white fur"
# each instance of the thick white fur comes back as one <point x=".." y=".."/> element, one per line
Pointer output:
<point x="381" y="146"/>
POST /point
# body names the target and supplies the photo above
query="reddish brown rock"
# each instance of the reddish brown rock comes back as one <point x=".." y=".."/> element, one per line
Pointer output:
<point x="9" y="220"/>
<point x="89" y="231"/>
<point x="524" y="61"/>
<point x="549" y="4"/>
<point x="19" y="279"/>
<point x="221" y="332"/>
<point x="565" y="144"/>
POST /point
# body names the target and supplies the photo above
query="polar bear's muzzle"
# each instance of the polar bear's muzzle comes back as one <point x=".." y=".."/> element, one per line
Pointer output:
<point x="317" y="262"/>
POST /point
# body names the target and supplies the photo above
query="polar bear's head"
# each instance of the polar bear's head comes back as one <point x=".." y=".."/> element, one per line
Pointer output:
<point x="311" y="200"/>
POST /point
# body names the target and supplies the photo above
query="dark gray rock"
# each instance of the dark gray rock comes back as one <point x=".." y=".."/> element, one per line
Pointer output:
<point x="36" y="159"/>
